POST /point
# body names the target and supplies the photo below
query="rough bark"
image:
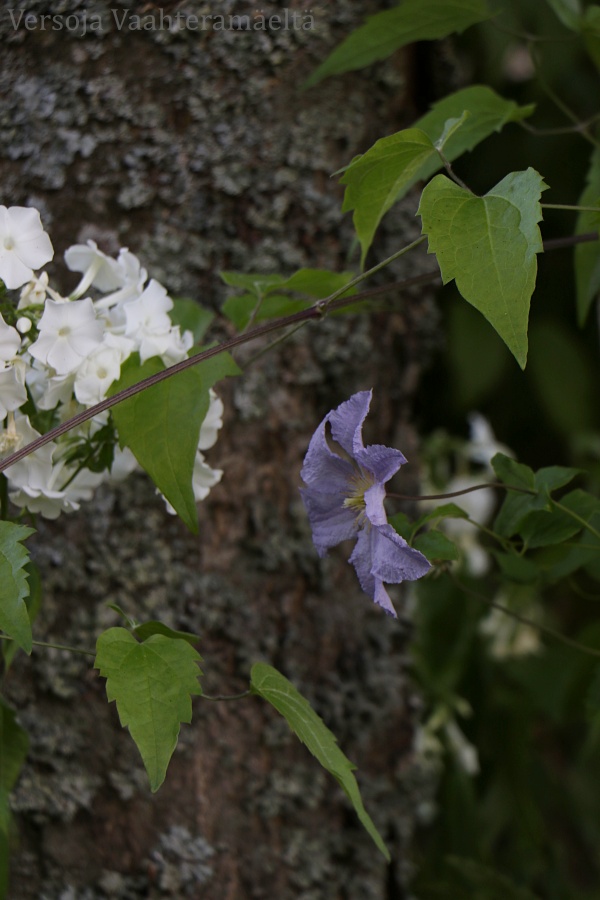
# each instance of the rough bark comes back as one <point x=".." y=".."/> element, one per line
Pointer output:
<point x="198" y="151"/>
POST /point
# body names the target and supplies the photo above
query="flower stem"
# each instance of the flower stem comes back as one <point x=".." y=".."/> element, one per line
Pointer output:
<point x="80" y="650"/>
<point x="475" y="487"/>
<point x="226" y="696"/>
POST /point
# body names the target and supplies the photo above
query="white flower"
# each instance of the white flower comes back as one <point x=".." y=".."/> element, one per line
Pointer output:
<point x="68" y="333"/>
<point x="148" y="323"/>
<point x="479" y="506"/>
<point x="47" y="390"/>
<point x="50" y="499"/>
<point x="24" y="245"/>
<point x="98" y="269"/>
<point x="124" y="463"/>
<point x="509" y="637"/>
<point x="12" y="390"/>
<point x="10" y="341"/>
<point x="34" y="292"/>
<point x="212" y="423"/>
<point x="483" y="446"/>
<point x="96" y="374"/>
<point x="133" y="277"/>
<point x="34" y="470"/>
<point x="464" y="752"/>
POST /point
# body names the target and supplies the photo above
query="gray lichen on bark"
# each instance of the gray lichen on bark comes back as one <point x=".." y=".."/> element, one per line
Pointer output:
<point x="199" y="152"/>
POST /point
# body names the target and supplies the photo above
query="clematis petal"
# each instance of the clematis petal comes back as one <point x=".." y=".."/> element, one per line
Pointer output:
<point x="346" y="422"/>
<point x="323" y="469"/>
<point x="361" y="559"/>
<point x="393" y="560"/>
<point x="381" y="461"/>
<point x="374" y="508"/>
<point x="330" y="521"/>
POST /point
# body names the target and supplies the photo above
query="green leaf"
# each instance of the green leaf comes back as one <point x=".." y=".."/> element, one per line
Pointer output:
<point x="256" y="284"/>
<point x="435" y="546"/>
<point x="33" y="602"/>
<point x="14" y="618"/>
<point x="567" y="392"/>
<point x="445" y="511"/>
<point x="161" y="425"/>
<point x="590" y="29"/>
<point x="14" y="744"/>
<point x="487" y="112"/>
<point x="517" y="568"/>
<point x="273" y="687"/>
<point x="243" y="308"/>
<point x="152" y="684"/>
<point x="386" y="172"/>
<point x="385" y="32"/>
<point x="511" y="472"/>
<point x="551" y="478"/>
<point x="145" y="630"/>
<point x="483" y="882"/>
<point x="568" y="11"/>
<point x="264" y="300"/>
<point x="376" y="180"/>
<point x="488" y="245"/>
<point x="191" y="316"/>
<point x="587" y="256"/>
<point x="402" y="525"/>
<point x="541" y="528"/>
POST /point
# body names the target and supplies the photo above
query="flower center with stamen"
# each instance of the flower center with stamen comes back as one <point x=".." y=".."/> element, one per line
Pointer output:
<point x="9" y="243"/>
<point x="359" y="485"/>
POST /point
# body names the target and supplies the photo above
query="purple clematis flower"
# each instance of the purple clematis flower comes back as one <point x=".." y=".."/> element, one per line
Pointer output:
<point x="344" y="499"/>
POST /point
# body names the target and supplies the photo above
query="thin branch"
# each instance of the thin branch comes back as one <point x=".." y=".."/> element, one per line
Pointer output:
<point x="314" y="313"/>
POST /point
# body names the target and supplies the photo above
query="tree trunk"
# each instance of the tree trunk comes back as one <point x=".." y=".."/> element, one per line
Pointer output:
<point x="198" y="151"/>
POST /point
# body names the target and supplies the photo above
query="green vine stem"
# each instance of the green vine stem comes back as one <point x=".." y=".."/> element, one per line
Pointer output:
<point x="543" y="629"/>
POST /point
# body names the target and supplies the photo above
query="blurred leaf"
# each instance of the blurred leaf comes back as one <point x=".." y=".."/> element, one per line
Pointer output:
<point x="264" y="300"/>
<point x="191" y="316"/>
<point x="152" y="684"/>
<point x="541" y="528"/>
<point x="445" y="511"/>
<point x="563" y="376"/>
<point x="513" y="473"/>
<point x="403" y="525"/>
<point x="517" y="568"/>
<point x="14" y="744"/>
<point x="568" y="11"/>
<point x="590" y="28"/>
<point x="488" y="245"/>
<point x="435" y="546"/>
<point x="256" y="284"/>
<point x="385" y="32"/>
<point x="273" y="687"/>
<point x="551" y="478"/>
<point x="485" y="883"/>
<point x="587" y="256"/>
<point x="478" y="360"/>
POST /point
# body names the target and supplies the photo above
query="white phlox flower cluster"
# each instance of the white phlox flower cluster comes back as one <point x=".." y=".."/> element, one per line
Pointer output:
<point x="59" y="355"/>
